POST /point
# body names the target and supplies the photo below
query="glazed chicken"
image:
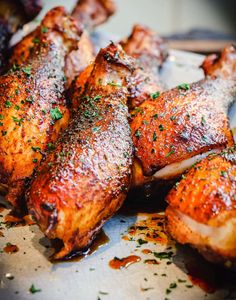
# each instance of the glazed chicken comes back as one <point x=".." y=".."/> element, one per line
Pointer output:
<point x="150" y="51"/>
<point x="202" y="208"/>
<point x="173" y="130"/>
<point x="89" y="14"/>
<point x="13" y="15"/>
<point x="86" y="17"/>
<point x="33" y="108"/>
<point x="84" y="181"/>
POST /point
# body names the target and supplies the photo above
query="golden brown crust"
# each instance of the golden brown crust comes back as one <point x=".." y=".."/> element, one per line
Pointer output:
<point x="33" y="107"/>
<point x="186" y="120"/>
<point x="85" y="179"/>
<point x="208" y="190"/>
<point x="150" y="51"/>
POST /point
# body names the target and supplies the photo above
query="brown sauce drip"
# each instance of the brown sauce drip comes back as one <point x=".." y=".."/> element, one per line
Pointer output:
<point x="16" y="221"/>
<point x="151" y="229"/>
<point x="151" y="262"/>
<point x="100" y="240"/>
<point x="125" y="262"/>
<point x="10" y="249"/>
<point x="146" y="251"/>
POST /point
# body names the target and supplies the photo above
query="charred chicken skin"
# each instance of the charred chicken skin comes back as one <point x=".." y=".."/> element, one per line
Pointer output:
<point x="202" y="208"/>
<point x="84" y="181"/>
<point x="172" y="129"/>
<point x="33" y="107"/>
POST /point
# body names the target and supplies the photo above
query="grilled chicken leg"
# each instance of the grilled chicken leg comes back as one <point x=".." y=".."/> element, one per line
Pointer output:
<point x="202" y="208"/>
<point x="150" y="51"/>
<point x="84" y="181"/>
<point x="33" y="107"/>
<point x="174" y="130"/>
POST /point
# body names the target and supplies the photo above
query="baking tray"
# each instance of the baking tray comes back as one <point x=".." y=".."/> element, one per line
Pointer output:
<point x="91" y="277"/>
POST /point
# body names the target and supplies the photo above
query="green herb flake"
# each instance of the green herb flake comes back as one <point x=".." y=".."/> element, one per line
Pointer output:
<point x="223" y="174"/>
<point x="51" y="146"/>
<point x="103" y="293"/>
<point x="34" y="160"/>
<point x="27" y="70"/>
<point x="34" y="290"/>
<point x="35" y="149"/>
<point x="44" y="29"/>
<point x="161" y="127"/>
<point x="18" y="121"/>
<point x="36" y="40"/>
<point x="137" y="133"/>
<point x="163" y="255"/>
<point x="8" y="104"/>
<point x="184" y="86"/>
<point x="203" y="121"/>
<point x="155" y="116"/>
<point x="17" y="107"/>
<point x="112" y="83"/>
<point x="95" y="129"/>
<point x="1" y="117"/>
<point x="4" y="132"/>
<point x="55" y="114"/>
<point x="173" y="285"/>
<point x="169" y="153"/>
<point x="154" y="137"/>
<point x="141" y="241"/>
<point x="155" y="95"/>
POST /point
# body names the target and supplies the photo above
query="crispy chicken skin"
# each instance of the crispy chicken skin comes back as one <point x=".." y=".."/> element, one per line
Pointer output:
<point x="85" y="179"/>
<point x="92" y="13"/>
<point x="33" y="106"/>
<point x="150" y="51"/>
<point x="187" y="120"/>
<point x="202" y="208"/>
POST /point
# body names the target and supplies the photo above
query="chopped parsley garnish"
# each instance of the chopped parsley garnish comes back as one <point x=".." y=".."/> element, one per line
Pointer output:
<point x="203" y="121"/>
<point x="161" y="127"/>
<point x="44" y="29"/>
<point x="163" y="255"/>
<point x="4" y="133"/>
<point x="173" y="285"/>
<point x="30" y="99"/>
<point x="95" y="129"/>
<point x="137" y="133"/>
<point x="154" y="137"/>
<point x="172" y="118"/>
<point x="17" y="107"/>
<point x="155" y="116"/>
<point x="141" y="241"/>
<point x="36" y="40"/>
<point x="8" y="104"/>
<point x="27" y="70"/>
<point x="35" y="149"/>
<point x="51" y="146"/>
<point x="34" y="290"/>
<point x="55" y="114"/>
<point x="223" y="174"/>
<point x="34" y="160"/>
<point x="18" y="121"/>
<point x="155" y="95"/>
<point x="169" y="153"/>
<point x="1" y="117"/>
<point x="112" y="83"/>
<point x="184" y="86"/>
